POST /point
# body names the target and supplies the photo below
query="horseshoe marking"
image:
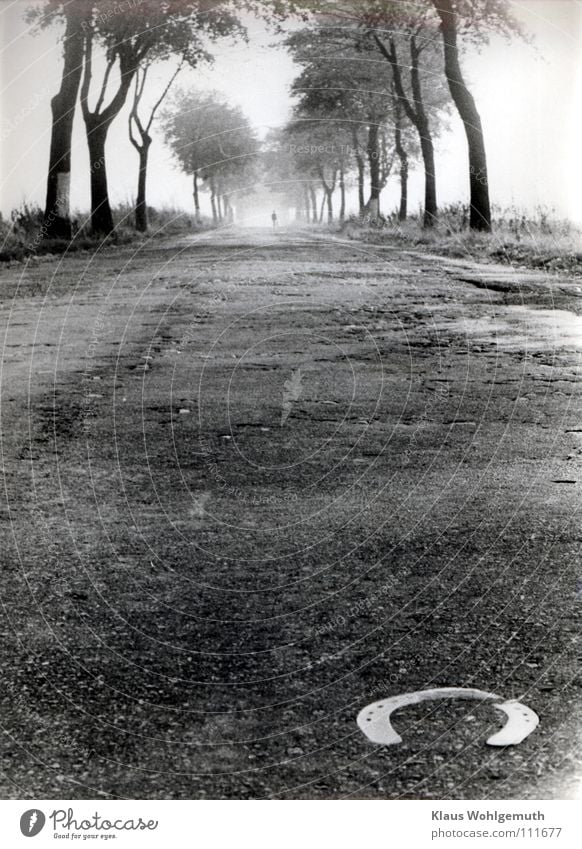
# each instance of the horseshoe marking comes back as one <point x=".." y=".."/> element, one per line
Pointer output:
<point x="374" y="720"/>
<point x="521" y="721"/>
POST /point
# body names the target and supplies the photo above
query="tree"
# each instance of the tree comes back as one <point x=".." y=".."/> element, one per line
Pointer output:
<point x="319" y="157"/>
<point x="402" y="155"/>
<point x="281" y="173"/>
<point x="340" y="77"/>
<point x="129" y="38"/>
<point x="337" y="84"/>
<point x="415" y="109"/>
<point x="474" y="16"/>
<point x="57" y="206"/>
<point x="471" y="19"/>
<point x="214" y="143"/>
<point x="189" y="124"/>
<point x="361" y="167"/>
<point x="128" y="33"/>
<point x="406" y="28"/>
<point x="139" y="135"/>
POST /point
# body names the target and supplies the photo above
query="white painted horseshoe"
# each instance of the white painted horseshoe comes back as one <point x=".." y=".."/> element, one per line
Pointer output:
<point x="521" y="721"/>
<point x="374" y="720"/>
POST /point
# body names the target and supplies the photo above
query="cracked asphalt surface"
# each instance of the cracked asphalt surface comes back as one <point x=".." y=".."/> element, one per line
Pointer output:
<point x="254" y="481"/>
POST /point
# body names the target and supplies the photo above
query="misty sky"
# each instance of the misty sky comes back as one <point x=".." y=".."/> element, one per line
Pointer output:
<point x="530" y="98"/>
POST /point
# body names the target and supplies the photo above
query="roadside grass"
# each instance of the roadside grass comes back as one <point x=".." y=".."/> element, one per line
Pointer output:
<point x="541" y="241"/>
<point x="22" y="237"/>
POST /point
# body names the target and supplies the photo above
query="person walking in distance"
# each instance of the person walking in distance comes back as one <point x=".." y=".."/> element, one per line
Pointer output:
<point x="274" y="218"/>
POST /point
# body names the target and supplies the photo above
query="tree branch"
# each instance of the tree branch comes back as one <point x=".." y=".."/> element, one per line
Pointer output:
<point x="387" y="162"/>
<point x="132" y="139"/>
<point x="321" y="175"/>
<point x="422" y="121"/>
<point x="134" y="114"/>
<point x="392" y="57"/>
<point x="164" y="93"/>
<point x="128" y="70"/>
<point x="333" y="182"/>
<point x="87" y="74"/>
<point x="143" y="82"/>
<point x="110" y="64"/>
<point x="120" y="96"/>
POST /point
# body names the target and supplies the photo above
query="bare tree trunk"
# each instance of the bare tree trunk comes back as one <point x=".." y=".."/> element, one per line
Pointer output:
<point x="197" y="216"/>
<point x="328" y="197"/>
<point x="97" y="124"/>
<point x="57" y="206"/>
<point x="213" y="201"/>
<point x="328" y="190"/>
<point x="430" y="199"/>
<point x="361" y="181"/>
<point x="143" y="144"/>
<point x="313" y="203"/>
<point x="480" y="218"/>
<point x="403" y="157"/>
<point x="418" y="116"/>
<point x="426" y="143"/>
<point x="141" y="210"/>
<point x="373" y="205"/>
<point x="361" y="166"/>
<point x="101" y="215"/>
<point x="342" y="188"/>
<point x="322" y="208"/>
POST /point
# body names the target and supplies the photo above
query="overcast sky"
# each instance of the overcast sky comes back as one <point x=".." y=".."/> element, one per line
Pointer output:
<point x="530" y="98"/>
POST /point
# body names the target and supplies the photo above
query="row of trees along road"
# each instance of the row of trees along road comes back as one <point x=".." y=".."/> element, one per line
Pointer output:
<point x="343" y="83"/>
<point x="376" y="80"/>
<point x="366" y="107"/>
<point x="130" y="36"/>
<point x="216" y="145"/>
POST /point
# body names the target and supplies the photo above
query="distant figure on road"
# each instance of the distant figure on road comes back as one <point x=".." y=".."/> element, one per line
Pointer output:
<point x="274" y="218"/>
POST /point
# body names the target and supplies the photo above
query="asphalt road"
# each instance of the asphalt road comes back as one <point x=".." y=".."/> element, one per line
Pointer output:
<point x="254" y="481"/>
